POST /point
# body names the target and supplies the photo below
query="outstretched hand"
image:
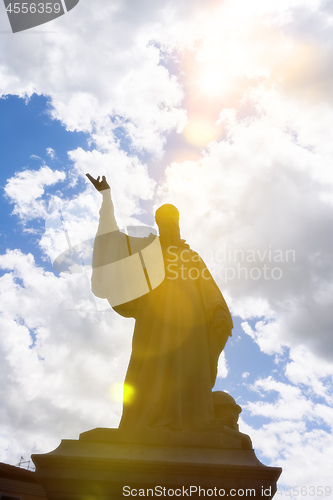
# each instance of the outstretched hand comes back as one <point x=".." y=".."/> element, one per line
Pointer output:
<point x="100" y="185"/>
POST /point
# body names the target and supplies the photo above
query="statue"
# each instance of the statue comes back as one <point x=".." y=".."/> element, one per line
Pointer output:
<point x="181" y="328"/>
<point x="174" y="431"/>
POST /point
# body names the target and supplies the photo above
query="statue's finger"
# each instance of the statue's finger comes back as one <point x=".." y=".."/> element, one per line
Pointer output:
<point x="92" y="180"/>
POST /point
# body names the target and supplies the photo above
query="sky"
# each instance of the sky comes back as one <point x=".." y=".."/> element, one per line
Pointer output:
<point x="221" y="107"/>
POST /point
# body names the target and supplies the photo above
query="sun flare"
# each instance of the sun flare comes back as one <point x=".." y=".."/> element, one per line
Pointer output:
<point x="212" y="82"/>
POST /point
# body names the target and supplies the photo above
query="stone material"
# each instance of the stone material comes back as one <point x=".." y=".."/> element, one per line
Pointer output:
<point x="107" y="464"/>
<point x="226" y="410"/>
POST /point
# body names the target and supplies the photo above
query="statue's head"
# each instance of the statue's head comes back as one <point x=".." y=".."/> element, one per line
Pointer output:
<point x="167" y="219"/>
<point x="167" y="214"/>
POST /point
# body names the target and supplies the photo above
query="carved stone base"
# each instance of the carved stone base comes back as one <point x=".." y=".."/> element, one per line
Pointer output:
<point x="107" y="464"/>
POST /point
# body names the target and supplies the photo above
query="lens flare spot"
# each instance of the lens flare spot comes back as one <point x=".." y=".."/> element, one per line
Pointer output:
<point x="120" y="392"/>
<point x="128" y="394"/>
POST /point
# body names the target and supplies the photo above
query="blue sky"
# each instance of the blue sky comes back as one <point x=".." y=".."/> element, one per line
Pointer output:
<point x="27" y="131"/>
<point x="223" y="110"/>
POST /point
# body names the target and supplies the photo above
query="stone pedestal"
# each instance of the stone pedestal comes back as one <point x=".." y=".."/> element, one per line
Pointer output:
<point x="107" y="464"/>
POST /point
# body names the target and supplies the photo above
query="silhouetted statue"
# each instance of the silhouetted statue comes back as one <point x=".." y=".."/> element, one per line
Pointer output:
<point x="182" y="326"/>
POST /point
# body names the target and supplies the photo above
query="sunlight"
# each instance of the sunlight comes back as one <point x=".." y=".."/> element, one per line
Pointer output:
<point x="212" y="82"/>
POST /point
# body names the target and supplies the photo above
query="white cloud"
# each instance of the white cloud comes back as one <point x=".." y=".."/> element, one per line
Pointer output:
<point x="293" y="436"/>
<point x="51" y="153"/>
<point x="305" y="456"/>
<point x="266" y="335"/>
<point x="26" y="189"/>
<point x="222" y="367"/>
<point x="58" y="349"/>
<point x="284" y="408"/>
<point x="307" y="370"/>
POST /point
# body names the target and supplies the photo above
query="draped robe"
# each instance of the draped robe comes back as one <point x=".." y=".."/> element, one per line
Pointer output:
<point x="181" y="327"/>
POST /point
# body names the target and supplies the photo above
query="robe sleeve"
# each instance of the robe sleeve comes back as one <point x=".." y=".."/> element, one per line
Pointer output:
<point x="107" y="233"/>
<point x="112" y="272"/>
<point x="107" y="220"/>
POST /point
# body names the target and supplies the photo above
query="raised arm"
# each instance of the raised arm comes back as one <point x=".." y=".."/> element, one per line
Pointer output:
<point x="107" y="221"/>
<point x="99" y="185"/>
<point x="106" y="240"/>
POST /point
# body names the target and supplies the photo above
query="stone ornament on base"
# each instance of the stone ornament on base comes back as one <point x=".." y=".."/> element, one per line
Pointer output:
<point x="226" y="410"/>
